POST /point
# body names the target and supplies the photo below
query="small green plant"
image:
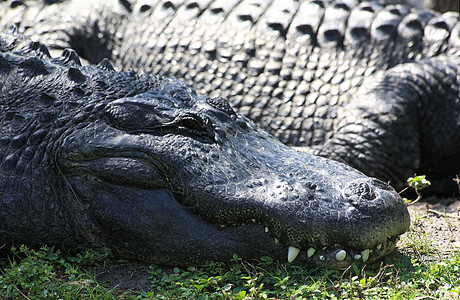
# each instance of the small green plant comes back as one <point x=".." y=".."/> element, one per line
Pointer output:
<point x="418" y="183"/>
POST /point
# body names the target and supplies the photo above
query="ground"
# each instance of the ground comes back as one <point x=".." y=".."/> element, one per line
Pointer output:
<point x="436" y="223"/>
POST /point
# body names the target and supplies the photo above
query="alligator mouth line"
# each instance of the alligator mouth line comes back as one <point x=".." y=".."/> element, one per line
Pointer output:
<point x="336" y="255"/>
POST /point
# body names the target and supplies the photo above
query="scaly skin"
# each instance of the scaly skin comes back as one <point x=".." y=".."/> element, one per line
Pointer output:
<point x="299" y="69"/>
<point x="147" y="167"/>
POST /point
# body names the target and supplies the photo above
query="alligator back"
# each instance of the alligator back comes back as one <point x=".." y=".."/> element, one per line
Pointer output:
<point x="288" y="65"/>
<point x="297" y="68"/>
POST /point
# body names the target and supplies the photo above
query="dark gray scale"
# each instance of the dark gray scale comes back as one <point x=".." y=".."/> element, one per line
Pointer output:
<point x="330" y="38"/>
<point x="203" y="48"/>
<point x="410" y="34"/>
<point x="167" y="38"/>
<point x="301" y="40"/>
<point x="454" y="41"/>
<point x="358" y="33"/>
<point x="383" y="37"/>
<point x="153" y="22"/>
<point x="273" y="27"/>
<point x="105" y="65"/>
<point x="25" y="187"/>
<point x="180" y="30"/>
<point x="437" y="33"/>
<point x="353" y="61"/>
<point x="68" y="57"/>
<point x="237" y="50"/>
<point x="238" y="45"/>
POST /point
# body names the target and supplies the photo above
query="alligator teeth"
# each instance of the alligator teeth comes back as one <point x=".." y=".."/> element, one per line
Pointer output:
<point x="341" y="255"/>
<point x="365" y="254"/>
<point x="357" y="256"/>
<point x="266" y="229"/>
<point x="310" y="252"/>
<point x="277" y="241"/>
<point x="292" y="253"/>
<point x="379" y="246"/>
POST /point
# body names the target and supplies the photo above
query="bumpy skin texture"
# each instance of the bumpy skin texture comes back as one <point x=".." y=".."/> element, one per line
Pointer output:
<point x="145" y="166"/>
<point x="297" y="68"/>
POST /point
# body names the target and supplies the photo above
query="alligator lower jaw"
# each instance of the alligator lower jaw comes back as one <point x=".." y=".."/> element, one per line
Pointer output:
<point x="338" y="257"/>
<point x="332" y="256"/>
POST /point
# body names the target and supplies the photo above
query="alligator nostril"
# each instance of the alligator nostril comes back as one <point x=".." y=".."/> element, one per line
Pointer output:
<point x="360" y="190"/>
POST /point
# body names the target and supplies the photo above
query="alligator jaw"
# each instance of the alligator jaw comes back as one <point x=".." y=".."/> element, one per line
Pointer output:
<point x="159" y="208"/>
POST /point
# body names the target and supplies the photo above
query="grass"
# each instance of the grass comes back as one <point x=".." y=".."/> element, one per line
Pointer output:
<point x="49" y="274"/>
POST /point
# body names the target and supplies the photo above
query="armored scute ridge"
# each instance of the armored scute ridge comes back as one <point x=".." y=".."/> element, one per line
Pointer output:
<point x="145" y="166"/>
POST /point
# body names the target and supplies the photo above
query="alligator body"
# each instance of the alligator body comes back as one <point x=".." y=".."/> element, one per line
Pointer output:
<point x="370" y="85"/>
<point x="147" y="167"/>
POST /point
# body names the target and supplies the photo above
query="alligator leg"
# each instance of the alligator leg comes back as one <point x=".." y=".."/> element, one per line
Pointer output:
<point x="389" y="130"/>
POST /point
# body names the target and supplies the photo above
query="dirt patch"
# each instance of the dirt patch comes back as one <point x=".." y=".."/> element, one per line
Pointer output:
<point x="123" y="276"/>
<point x="436" y="226"/>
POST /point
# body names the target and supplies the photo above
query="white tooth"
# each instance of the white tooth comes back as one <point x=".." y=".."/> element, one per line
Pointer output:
<point x="365" y="255"/>
<point x="292" y="253"/>
<point x="379" y="246"/>
<point x="266" y="229"/>
<point x="253" y="220"/>
<point x="277" y="241"/>
<point x="341" y="255"/>
<point x="357" y="256"/>
<point x="310" y="252"/>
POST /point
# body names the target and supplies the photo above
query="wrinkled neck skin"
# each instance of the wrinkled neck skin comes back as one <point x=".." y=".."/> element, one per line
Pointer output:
<point x="182" y="186"/>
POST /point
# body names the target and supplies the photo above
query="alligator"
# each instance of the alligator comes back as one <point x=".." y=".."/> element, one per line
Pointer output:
<point x="142" y="164"/>
<point x="374" y="86"/>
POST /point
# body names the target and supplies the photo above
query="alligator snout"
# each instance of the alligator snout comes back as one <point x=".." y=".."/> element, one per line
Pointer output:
<point x="332" y="225"/>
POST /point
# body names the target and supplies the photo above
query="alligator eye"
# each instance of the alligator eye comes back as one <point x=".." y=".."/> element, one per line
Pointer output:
<point x="191" y="123"/>
<point x="195" y="124"/>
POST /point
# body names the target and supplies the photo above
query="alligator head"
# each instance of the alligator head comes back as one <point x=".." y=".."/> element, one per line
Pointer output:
<point x="148" y="168"/>
<point x="175" y="178"/>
